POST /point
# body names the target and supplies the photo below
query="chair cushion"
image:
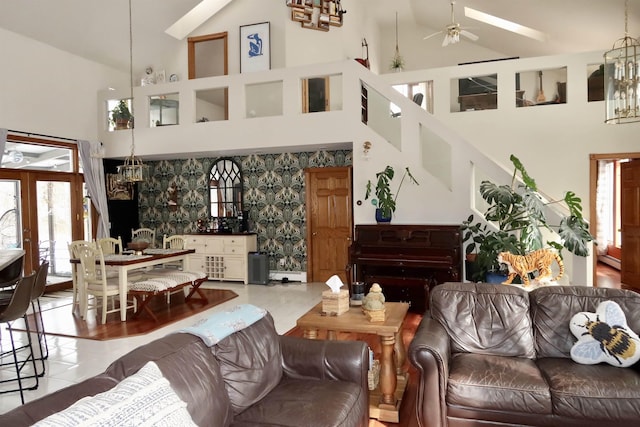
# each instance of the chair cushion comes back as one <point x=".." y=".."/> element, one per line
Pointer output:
<point x="497" y="383"/>
<point x="250" y="362"/>
<point x="594" y="392"/>
<point x="484" y="318"/>
<point x="296" y="402"/>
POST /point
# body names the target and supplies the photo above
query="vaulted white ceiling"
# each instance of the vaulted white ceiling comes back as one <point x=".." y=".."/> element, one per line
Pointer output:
<point x="98" y="29"/>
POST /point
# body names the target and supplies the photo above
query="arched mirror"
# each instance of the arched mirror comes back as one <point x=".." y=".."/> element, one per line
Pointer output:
<point x="225" y="189"/>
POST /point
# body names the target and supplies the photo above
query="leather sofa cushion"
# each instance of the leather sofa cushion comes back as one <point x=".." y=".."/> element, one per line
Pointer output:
<point x="553" y="306"/>
<point x="304" y="402"/>
<point x="250" y="362"/>
<point x="484" y="318"/>
<point x="592" y="392"/>
<point x="192" y="371"/>
<point x="497" y="383"/>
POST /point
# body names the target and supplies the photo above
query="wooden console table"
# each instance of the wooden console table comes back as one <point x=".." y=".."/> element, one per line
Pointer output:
<point x="384" y="402"/>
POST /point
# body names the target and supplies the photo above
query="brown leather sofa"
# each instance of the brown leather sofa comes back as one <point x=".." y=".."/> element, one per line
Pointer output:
<point x="253" y="377"/>
<point x="495" y="355"/>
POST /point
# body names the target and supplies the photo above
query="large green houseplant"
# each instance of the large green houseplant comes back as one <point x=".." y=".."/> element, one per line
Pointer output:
<point x="385" y="200"/>
<point x="518" y="212"/>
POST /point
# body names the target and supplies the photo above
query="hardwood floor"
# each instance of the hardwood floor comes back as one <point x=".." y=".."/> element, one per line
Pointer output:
<point x="608" y="277"/>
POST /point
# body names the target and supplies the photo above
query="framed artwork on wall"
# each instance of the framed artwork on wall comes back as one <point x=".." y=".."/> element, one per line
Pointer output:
<point x="117" y="190"/>
<point x="255" y="47"/>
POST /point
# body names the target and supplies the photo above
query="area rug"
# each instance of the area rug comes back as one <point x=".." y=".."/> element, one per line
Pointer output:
<point x="59" y="319"/>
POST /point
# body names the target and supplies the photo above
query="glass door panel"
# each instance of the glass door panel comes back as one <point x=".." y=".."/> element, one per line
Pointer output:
<point x="54" y="226"/>
<point x="10" y="227"/>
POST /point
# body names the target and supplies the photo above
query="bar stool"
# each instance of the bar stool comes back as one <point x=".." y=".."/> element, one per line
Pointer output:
<point x="38" y="291"/>
<point x="16" y="309"/>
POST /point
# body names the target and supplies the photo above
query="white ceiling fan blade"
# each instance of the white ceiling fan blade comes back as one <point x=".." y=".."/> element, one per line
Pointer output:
<point x="432" y="35"/>
<point x="469" y="35"/>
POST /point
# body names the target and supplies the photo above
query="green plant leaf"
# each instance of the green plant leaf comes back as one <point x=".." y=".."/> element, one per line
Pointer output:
<point x="528" y="181"/>
<point x="574" y="203"/>
<point x="574" y="232"/>
<point x="493" y="193"/>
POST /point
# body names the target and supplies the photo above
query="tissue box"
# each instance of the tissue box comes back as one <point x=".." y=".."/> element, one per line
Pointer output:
<point x="335" y="303"/>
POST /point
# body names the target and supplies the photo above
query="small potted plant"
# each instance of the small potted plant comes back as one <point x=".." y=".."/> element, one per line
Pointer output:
<point x="385" y="201"/>
<point x="397" y="63"/>
<point x="517" y="211"/>
<point x="121" y="117"/>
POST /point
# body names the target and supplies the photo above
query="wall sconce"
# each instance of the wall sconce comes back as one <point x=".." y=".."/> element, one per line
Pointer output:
<point x="366" y="146"/>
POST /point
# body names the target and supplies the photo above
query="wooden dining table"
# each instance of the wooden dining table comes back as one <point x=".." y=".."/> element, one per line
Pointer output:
<point x="124" y="263"/>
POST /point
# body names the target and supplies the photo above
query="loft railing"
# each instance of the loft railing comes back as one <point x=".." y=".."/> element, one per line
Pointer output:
<point x="264" y="113"/>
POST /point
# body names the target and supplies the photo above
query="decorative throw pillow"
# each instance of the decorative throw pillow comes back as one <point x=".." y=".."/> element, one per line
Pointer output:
<point x="142" y="399"/>
<point x="604" y="336"/>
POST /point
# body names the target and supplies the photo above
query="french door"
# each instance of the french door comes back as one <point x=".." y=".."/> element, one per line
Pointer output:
<point x="41" y="212"/>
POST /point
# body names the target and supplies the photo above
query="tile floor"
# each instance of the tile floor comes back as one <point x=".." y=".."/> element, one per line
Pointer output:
<point x="73" y="360"/>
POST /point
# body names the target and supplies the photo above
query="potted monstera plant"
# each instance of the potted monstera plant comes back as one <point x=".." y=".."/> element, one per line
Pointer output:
<point x="385" y="201"/>
<point x="517" y="212"/>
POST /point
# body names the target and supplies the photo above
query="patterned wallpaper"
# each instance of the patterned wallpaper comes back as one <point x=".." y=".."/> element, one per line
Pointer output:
<point x="273" y="190"/>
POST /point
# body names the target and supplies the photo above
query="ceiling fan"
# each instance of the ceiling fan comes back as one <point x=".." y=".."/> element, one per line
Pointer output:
<point x="453" y="31"/>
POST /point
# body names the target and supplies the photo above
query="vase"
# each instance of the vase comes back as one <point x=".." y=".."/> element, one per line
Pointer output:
<point x="380" y="218"/>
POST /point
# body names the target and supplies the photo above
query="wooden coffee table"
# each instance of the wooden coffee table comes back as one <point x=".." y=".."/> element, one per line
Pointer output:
<point x="384" y="403"/>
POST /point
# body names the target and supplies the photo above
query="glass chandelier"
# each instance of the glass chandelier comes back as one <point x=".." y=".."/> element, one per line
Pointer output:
<point x="622" y="78"/>
<point x="133" y="169"/>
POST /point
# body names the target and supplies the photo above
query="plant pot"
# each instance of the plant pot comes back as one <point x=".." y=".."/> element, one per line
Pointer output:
<point x="469" y="269"/>
<point x="122" y="124"/>
<point x="380" y="218"/>
<point x="495" y="277"/>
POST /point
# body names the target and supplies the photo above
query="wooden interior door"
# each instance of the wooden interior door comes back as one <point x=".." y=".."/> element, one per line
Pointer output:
<point x="329" y="222"/>
<point x="630" y="219"/>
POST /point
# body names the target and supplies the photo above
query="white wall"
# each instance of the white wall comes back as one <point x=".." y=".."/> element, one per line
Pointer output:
<point x="49" y="91"/>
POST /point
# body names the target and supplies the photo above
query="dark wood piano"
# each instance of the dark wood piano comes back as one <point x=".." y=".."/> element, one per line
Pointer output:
<point x="406" y="260"/>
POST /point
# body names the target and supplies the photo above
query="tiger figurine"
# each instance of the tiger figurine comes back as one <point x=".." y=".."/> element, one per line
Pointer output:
<point x="522" y="265"/>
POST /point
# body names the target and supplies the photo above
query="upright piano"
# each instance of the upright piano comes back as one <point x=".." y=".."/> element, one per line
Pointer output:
<point x="406" y="260"/>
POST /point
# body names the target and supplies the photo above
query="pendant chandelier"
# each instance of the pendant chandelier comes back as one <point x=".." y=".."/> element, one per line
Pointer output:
<point x="622" y="78"/>
<point x="133" y="169"/>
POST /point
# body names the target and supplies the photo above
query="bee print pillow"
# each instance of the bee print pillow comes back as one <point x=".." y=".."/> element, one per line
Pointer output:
<point x="604" y="336"/>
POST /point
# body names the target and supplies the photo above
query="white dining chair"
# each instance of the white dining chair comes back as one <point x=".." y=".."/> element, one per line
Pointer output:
<point x="110" y="245"/>
<point x="97" y="284"/>
<point x="174" y="242"/>
<point x="74" y="248"/>
<point x="144" y="234"/>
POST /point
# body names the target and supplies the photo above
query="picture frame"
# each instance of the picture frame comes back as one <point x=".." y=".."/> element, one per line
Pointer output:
<point x="117" y="190"/>
<point x="255" y="47"/>
<point x="161" y="77"/>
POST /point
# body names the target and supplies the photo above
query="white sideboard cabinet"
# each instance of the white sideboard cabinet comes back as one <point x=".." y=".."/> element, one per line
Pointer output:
<point x="222" y="256"/>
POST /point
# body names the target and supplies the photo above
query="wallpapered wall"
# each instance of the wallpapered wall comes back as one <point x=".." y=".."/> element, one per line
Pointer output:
<point x="273" y="187"/>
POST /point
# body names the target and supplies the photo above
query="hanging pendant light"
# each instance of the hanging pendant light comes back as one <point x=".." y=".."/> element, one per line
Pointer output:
<point x="133" y="169"/>
<point x="622" y="78"/>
